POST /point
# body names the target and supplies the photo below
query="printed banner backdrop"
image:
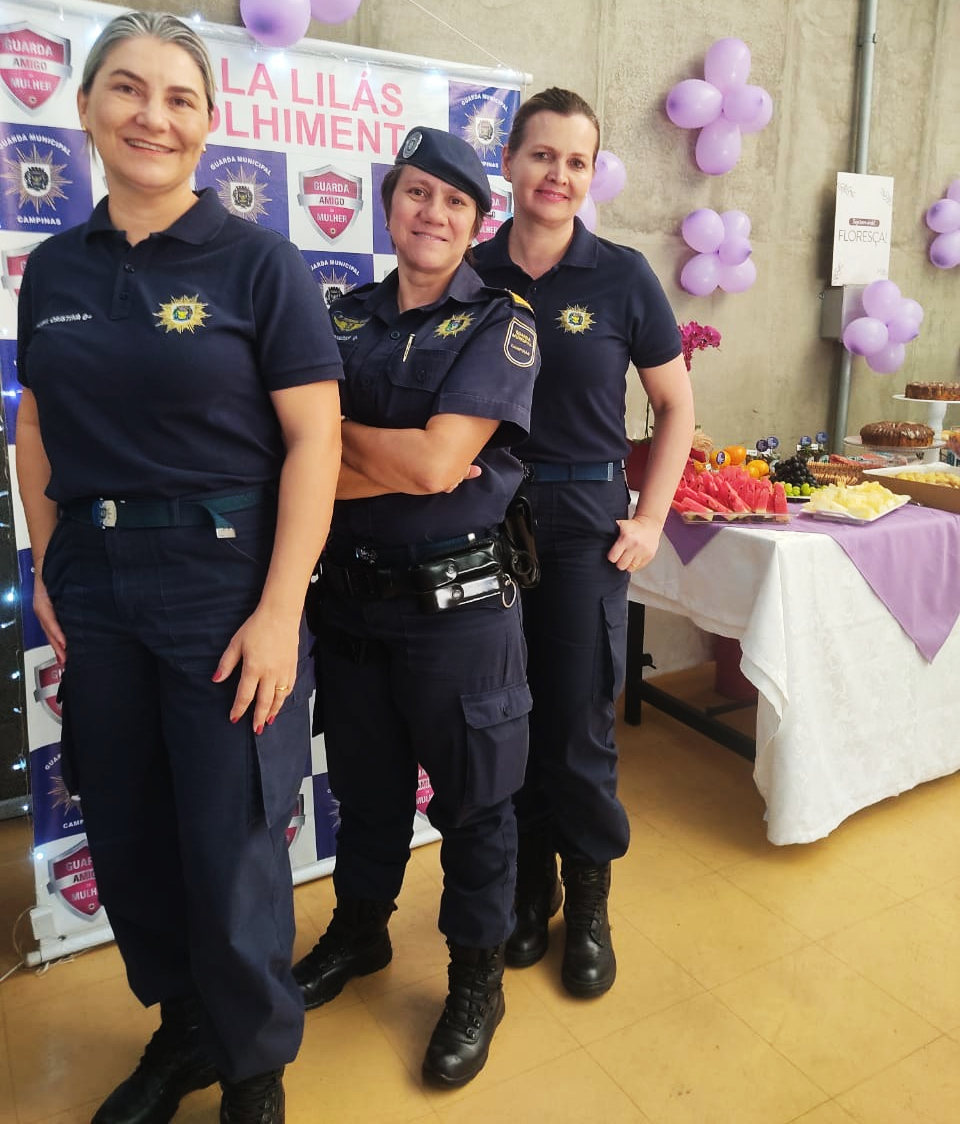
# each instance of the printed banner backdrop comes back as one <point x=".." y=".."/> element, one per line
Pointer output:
<point x="300" y="143"/>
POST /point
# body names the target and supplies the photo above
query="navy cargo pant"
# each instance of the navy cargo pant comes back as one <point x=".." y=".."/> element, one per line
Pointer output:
<point x="185" y="812"/>
<point x="447" y="691"/>
<point x="575" y="623"/>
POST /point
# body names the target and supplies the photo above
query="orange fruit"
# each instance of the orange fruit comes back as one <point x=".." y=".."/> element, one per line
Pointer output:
<point x="718" y="457"/>
<point x="736" y="454"/>
<point x="758" y="469"/>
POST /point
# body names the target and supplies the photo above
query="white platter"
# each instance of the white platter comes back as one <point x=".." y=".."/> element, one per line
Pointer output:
<point x="900" y="450"/>
<point x="843" y="517"/>
<point x="928" y="401"/>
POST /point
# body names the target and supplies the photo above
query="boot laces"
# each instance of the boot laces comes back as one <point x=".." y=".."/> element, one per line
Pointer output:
<point x="586" y="906"/>
<point x="334" y="943"/>
<point x="251" y="1100"/>
<point x="466" y="1005"/>
<point x="164" y="1053"/>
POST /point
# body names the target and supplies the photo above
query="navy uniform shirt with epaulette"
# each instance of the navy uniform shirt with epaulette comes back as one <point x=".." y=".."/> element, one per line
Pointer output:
<point x="152" y="365"/>
<point x="599" y="309"/>
<point x="472" y="352"/>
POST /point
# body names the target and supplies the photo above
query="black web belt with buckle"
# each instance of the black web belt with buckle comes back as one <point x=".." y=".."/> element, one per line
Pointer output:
<point x="438" y="584"/>
<point x="537" y="472"/>
<point x="146" y="514"/>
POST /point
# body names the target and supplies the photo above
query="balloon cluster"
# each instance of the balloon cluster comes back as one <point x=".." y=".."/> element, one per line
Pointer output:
<point x="943" y="218"/>
<point x="281" y="23"/>
<point x="723" y="252"/>
<point x="891" y="321"/>
<point x="609" y="177"/>
<point x="721" y="104"/>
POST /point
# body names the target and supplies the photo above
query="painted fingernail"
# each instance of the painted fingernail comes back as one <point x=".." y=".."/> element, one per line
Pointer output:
<point x="259" y="729"/>
<point x="270" y="719"/>
<point x="234" y="721"/>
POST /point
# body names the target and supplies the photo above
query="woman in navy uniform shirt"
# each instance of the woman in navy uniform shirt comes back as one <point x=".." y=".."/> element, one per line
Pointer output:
<point x="421" y="654"/>
<point x="599" y="308"/>
<point x="177" y="451"/>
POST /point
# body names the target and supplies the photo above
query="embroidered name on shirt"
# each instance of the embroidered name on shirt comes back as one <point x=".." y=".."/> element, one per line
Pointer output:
<point x="520" y="345"/>
<point x="575" y="319"/>
<point x="65" y="318"/>
<point x="182" y="314"/>
<point x="453" y="325"/>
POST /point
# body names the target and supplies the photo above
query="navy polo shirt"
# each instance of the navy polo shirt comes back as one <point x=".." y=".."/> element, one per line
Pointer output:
<point x="473" y="352"/>
<point x="152" y="365"/>
<point x="599" y="309"/>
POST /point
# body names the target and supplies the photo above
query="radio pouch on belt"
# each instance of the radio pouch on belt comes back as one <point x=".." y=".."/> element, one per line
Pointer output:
<point x="520" y="547"/>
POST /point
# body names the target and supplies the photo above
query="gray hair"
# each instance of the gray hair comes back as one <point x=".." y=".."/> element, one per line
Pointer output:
<point x="158" y="25"/>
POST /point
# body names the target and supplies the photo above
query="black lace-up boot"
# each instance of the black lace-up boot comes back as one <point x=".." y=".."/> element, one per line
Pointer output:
<point x="461" y="1040"/>
<point x="589" y="964"/>
<point x="356" y="943"/>
<point x="173" y="1064"/>
<point x="537" y="899"/>
<point x="255" y="1100"/>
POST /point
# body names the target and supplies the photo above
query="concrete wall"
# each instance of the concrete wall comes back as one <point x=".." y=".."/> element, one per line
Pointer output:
<point x="772" y="374"/>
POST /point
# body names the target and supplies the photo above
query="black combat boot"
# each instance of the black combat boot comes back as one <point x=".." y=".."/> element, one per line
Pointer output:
<point x="537" y="899"/>
<point x="461" y="1039"/>
<point x="255" y="1100"/>
<point x="356" y="943"/>
<point x="589" y="965"/>
<point x="173" y="1064"/>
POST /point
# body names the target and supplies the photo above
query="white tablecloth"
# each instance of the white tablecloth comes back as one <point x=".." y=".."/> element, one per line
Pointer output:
<point x="849" y="712"/>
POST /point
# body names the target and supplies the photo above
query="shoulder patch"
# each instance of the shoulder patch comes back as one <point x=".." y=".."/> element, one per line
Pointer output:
<point x="520" y="344"/>
<point x="347" y="323"/>
<point x="518" y="301"/>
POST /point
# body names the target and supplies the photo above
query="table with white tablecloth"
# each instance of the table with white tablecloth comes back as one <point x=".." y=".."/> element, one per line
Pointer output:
<point x="849" y="711"/>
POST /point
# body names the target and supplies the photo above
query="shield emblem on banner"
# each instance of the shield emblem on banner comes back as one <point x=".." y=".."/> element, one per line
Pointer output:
<point x="33" y="65"/>
<point x="297" y="820"/>
<point x="332" y="199"/>
<point x="485" y="129"/>
<point x="72" y="881"/>
<point x="48" y="676"/>
<point x="14" y="262"/>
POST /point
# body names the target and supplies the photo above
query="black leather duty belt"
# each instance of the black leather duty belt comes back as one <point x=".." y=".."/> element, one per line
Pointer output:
<point x="537" y="472"/>
<point x="147" y="514"/>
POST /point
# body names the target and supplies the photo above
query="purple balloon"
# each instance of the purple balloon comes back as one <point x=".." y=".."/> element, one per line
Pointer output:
<point x="693" y="103"/>
<point x="762" y="120"/>
<point x="727" y="63"/>
<point x="913" y="309"/>
<point x="718" y="147"/>
<point x="738" y="278"/>
<point x="742" y="104"/>
<point x="276" y="23"/>
<point x="609" y="176"/>
<point x="700" y="275"/>
<point x="736" y="224"/>
<point x="887" y="360"/>
<point x="881" y="299"/>
<point x="333" y="11"/>
<point x="865" y="335"/>
<point x="953" y="191"/>
<point x="734" y="251"/>
<point x="944" y="216"/>
<point x="902" y="328"/>
<point x="945" y="250"/>
<point x="702" y="230"/>
<point x="587" y="213"/>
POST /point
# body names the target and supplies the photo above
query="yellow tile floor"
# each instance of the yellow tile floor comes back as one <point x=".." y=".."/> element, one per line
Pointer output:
<point x="814" y="984"/>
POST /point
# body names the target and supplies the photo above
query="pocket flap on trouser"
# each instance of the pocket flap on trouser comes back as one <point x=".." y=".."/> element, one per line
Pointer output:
<point x="493" y="707"/>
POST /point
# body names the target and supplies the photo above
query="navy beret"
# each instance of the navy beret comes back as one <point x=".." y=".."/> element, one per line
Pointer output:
<point x="449" y="159"/>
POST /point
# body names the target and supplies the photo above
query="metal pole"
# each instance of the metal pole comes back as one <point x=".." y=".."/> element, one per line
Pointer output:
<point x="867" y="50"/>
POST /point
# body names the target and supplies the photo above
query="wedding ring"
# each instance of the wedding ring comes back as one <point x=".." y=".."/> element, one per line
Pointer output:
<point x="281" y="690"/>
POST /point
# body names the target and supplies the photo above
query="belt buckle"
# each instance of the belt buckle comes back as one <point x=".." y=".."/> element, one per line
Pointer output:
<point x="105" y="513"/>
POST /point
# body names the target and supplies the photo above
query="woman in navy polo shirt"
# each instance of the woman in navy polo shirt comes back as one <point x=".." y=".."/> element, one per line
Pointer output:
<point x="178" y="447"/>
<point x="599" y="308"/>
<point x="421" y="654"/>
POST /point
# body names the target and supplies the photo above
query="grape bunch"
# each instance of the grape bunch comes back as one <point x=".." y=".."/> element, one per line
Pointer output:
<point x="794" y="471"/>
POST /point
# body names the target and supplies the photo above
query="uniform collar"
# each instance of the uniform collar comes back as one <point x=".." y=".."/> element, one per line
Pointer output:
<point x="201" y="224"/>
<point x="581" y="252"/>
<point x="465" y="287"/>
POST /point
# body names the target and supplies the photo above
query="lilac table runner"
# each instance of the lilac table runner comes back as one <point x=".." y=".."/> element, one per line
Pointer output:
<point x="910" y="559"/>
